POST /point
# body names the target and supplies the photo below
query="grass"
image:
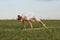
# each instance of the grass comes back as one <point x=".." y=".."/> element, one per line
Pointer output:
<point x="13" y="30"/>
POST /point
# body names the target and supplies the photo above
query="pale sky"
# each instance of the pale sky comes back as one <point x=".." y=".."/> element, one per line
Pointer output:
<point x="46" y="9"/>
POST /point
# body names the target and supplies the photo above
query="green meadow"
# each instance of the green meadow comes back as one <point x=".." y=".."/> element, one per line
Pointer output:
<point x="13" y="30"/>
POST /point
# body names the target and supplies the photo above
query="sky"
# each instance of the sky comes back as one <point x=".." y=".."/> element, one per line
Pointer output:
<point x="46" y="9"/>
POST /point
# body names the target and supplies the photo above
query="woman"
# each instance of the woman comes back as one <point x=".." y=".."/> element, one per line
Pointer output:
<point x="29" y="20"/>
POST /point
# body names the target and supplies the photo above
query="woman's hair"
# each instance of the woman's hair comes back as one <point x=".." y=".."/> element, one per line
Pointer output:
<point x="19" y="17"/>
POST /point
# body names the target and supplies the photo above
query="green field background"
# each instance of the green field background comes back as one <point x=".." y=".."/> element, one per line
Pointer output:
<point x="13" y="30"/>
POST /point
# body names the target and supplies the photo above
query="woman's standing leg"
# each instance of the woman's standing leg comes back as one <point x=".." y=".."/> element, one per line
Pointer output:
<point x="24" y="25"/>
<point x="30" y="23"/>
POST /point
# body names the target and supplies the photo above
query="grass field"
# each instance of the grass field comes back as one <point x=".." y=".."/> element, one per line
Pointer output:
<point x="13" y="30"/>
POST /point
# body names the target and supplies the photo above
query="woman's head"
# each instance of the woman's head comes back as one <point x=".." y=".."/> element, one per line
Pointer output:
<point x="19" y="18"/>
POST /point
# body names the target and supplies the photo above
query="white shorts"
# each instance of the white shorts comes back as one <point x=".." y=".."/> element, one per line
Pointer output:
<point x="37" y="18"/>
